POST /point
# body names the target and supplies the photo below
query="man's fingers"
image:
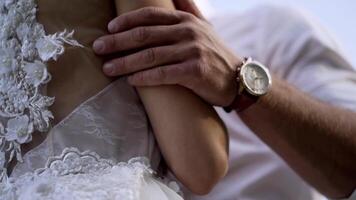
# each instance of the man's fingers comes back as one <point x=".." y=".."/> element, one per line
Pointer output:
<point x="144" y="17"/>
<point x="145" y="59"/>
<point x="136" y="38"/>
<point x="164" y="75"/>
<point x="188" y="6"/>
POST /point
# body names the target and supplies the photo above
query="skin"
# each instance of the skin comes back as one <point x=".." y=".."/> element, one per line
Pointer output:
<point x="319" y="143"/>
<point x="192" y="138"/>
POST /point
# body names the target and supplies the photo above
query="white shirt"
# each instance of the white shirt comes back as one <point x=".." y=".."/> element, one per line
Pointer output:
<point x="301" y="52"/>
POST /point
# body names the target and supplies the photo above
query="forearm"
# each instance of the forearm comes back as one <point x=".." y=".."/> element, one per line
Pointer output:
<point x="317" y="140"/>
<point x="128" y="5"/>
<point x="191" y="138"/>
<point x="190" y="134"/>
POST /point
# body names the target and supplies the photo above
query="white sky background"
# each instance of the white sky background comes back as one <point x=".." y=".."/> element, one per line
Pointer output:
<point x="338" y="16"/>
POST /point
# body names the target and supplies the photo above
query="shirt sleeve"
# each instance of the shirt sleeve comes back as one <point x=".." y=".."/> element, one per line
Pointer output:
<point x="300" y="51"/>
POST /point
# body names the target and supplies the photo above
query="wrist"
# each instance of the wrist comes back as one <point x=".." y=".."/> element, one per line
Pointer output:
<point x="235" y="83"/>
<point x="232" y="82"/>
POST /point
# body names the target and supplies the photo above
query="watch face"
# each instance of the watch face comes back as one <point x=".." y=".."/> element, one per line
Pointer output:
<point x="256" y="78"/>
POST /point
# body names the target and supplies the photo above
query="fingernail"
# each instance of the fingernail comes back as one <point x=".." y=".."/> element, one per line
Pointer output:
<point x="108" y="68"/>
<point x="98" y="46"/>
<point x="113" y="28"/>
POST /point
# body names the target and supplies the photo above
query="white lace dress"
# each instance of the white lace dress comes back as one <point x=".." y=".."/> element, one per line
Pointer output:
<point x="104" y="149"/>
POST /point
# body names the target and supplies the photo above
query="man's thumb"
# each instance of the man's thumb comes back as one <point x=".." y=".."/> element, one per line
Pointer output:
<point x="188" y="6"/>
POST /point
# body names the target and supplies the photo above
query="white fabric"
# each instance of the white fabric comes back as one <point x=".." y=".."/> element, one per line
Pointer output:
<point x="297" y="49"/>
<point x="79" y="175"/>
<point x="112" y="125"/>
<point x="104" y="149"/>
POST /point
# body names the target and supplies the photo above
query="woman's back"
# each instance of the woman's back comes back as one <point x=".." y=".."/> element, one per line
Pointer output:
<point x="77" y="74"/>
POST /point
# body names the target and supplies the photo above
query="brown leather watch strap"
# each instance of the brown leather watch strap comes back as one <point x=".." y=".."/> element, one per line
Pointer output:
<point x="242" y="102"/>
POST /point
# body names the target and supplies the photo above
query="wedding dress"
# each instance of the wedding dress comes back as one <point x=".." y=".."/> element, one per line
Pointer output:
<point x="104" y="149"/>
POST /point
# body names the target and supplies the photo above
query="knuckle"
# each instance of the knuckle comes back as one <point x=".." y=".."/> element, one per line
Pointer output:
<point x="197" y="50"/>
<point x="123" y="21"/>
<point x="120" y="66"/>
<point x="176" y="16"/>
<point x="149" y="11"/>
<point x="190" y="32"/>
<point x="121" y="62"/>
<point x="188" y="16"/>
<point x="140" y="34"/>
<point x="112" y="42"/>
<point x="198" y="68"/>
<point x="139" y="77"/>
<point x="161" y="73"/>
<point x="150" y="55"/>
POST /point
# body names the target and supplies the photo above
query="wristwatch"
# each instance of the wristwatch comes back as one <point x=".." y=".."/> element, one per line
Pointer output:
<point x="254" y="81"/>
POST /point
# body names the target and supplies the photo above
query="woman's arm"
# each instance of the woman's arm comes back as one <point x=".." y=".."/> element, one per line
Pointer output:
<point x="192" y="138"/>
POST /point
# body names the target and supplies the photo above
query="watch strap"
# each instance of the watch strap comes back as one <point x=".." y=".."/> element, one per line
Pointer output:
<point x="242" y="102"/>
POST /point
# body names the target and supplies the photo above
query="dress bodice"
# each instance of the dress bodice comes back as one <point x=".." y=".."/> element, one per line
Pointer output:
<point x="101" y="145"/>
<point x="112" y="124"/>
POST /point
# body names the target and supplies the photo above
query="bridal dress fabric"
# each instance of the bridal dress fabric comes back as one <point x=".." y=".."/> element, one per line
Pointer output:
<point x="104" y="149"/>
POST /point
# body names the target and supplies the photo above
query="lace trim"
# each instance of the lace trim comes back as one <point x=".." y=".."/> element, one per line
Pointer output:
<point x="75" y="173"/>
<point x="72" y="161"/>
<point x="24" y="49"/>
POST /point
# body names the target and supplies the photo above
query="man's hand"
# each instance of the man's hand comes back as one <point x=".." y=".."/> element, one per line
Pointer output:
<point x="171" y="47"/>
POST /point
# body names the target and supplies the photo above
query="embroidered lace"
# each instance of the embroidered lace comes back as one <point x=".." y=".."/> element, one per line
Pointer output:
<point x="80" y="175"/>
<point x="24" y="49"/>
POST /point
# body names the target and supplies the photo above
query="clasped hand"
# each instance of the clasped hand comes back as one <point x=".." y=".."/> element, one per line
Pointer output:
<point x="170" y="47"/>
